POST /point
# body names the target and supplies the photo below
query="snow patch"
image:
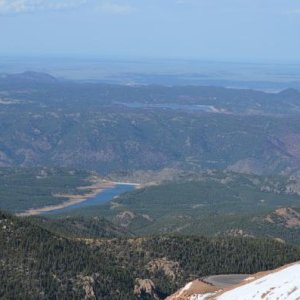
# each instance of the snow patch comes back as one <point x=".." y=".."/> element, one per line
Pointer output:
<point x="185" y="288"/>
<point x="201" y="297"/>
<point x="282" y="285"/>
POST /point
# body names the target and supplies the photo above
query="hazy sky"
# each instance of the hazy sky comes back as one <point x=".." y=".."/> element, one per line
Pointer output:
<point x="202" y="29"/>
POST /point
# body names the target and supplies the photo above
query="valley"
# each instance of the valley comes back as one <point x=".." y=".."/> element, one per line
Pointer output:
<point x="213" y="203"/>
<point x="149" y="150"/>
<point x="130" y="192"/>
<point x="103" y="196"/>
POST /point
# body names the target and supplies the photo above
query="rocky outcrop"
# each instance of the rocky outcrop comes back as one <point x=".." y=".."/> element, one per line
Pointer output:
<point x="193" y="288"/>
<point x="286" y="216"/>
<point x="145" y="288"/>
<point x="170" y="268"/>
<point x="87" y="283"/>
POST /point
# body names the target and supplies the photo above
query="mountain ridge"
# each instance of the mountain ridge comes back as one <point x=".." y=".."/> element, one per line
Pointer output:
<point x="113" y="128"/>
<point x="39" y="264"/>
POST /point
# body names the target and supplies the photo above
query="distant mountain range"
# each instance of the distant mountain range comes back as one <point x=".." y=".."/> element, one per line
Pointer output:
<point x="50" y="122"/>
<point x="220" y="186"/>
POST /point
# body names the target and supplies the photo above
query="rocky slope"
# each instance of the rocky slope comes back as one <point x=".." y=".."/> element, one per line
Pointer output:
<point x="281" y="284"/>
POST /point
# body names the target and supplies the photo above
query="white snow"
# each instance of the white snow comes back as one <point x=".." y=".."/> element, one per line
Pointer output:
<point x="282" y="285"/>
<point x="201" y="297"/>
<point x="185" y="288"/>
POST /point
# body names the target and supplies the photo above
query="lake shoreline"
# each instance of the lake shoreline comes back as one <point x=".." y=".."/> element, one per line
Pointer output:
<point x="96" y="188"/>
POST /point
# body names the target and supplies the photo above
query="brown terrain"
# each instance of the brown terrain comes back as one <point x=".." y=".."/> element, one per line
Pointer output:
<point x="286" y="216"/>
<point x="212" y="292"/>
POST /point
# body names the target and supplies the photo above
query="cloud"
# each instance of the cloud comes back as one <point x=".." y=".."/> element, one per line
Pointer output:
<point x="27" y="6"/>
<point x="116" y="8"/>
<point x="23" y="6"/>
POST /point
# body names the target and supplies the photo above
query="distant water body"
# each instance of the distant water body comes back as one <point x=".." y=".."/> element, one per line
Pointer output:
<point x="172" y="106"/>
<point x="102" y="197"/>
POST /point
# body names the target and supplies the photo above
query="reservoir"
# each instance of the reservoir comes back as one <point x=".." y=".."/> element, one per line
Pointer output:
<point x="172" y="106"/>
<point x="104" y="196"/>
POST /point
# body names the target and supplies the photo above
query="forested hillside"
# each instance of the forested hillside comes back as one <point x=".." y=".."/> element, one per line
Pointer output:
<point x="201" y="210"/>
<point x="35" y="187"/>
<point x="110" y="128"/>
<point x="213" y="203"/>
<point x="37" y="264"/>
<point x="147" y="144"/>
<point x="81" y="227"/>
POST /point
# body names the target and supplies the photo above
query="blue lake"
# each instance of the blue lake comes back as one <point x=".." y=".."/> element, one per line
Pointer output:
<point x="105" y="196"/>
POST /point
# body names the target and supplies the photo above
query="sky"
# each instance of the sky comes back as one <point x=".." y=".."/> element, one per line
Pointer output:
<point x="235" y="30"/>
